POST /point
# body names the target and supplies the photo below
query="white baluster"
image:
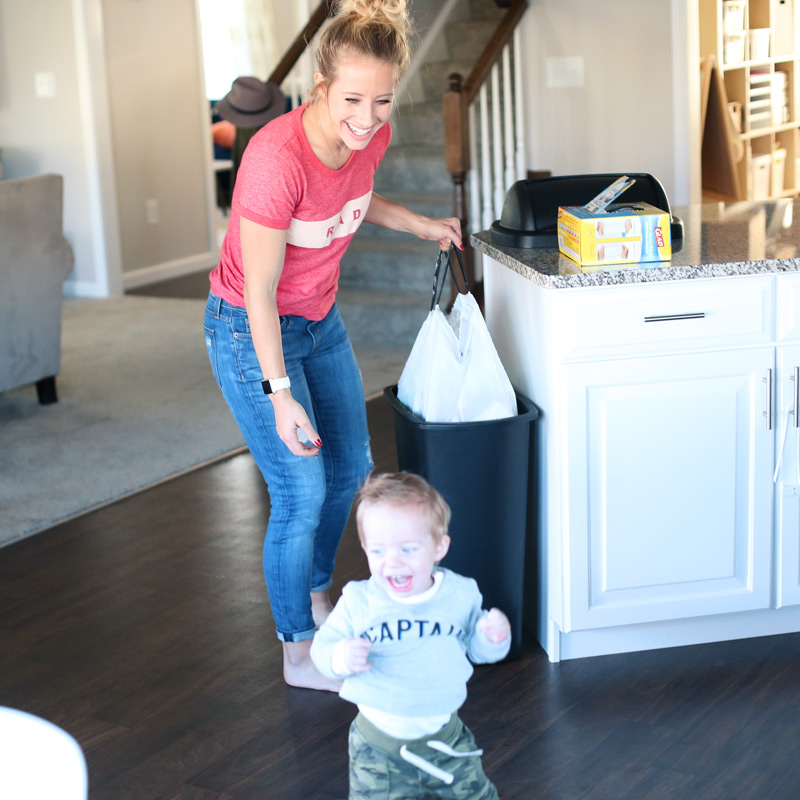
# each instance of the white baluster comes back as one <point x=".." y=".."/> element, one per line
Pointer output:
<point x="497" y="144"/>
<point x="474" y="175"/>
<point x="310" y="67"/>
<point x="486" y="167"/>
<point x="294" y="88"/>
<point x="518" y="106"/>
<point x="508" y="120"/>
<point x="292" y="84"/>
<point x="474" y="191"/>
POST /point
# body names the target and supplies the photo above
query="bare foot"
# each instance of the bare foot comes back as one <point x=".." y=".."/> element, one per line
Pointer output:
<point x="299" y="670"/>
<point x="320" y="607"/>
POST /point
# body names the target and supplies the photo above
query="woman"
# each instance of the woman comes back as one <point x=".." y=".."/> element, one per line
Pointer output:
<point x="276" y="342"/>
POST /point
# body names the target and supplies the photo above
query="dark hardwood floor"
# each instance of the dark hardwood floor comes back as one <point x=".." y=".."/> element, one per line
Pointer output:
<point x="143" y="629"/>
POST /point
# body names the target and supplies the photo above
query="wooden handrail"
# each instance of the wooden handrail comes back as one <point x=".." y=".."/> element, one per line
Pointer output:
<point x="455" y="107"/>
<point x="491" y="53"/>
<point x="324" y="10"/>
<point x="461" y="93"/>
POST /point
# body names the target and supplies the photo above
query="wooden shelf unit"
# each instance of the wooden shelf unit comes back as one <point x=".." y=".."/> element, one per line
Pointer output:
<point x="757" y="85"/>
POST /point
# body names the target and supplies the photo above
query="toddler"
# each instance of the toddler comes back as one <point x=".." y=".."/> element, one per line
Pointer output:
<point x="403" y="641"/>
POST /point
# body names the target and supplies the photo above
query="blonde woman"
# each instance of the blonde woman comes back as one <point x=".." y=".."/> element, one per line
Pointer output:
<point x="277" y="345"/>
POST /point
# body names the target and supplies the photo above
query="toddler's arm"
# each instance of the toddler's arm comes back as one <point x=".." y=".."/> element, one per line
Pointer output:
<point x="491" y="638"/>
<point x="351" y="656"/>
<point x="329" y="639"/>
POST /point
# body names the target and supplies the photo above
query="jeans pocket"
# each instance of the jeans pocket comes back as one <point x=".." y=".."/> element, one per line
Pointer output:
<point x="246" y="358"/>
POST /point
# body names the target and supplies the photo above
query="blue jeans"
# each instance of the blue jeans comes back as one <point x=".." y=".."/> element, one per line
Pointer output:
<point x="310" y="498"/>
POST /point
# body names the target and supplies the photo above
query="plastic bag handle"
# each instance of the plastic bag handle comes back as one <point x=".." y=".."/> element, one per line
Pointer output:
<point x="439" y="276"/>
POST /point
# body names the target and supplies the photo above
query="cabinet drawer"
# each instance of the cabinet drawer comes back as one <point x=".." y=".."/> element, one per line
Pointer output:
<point x="667" y="317"/>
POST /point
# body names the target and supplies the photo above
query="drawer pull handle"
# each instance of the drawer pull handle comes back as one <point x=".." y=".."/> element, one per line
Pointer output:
<point x="669" y="317"/>
<point x="796" y="379"/>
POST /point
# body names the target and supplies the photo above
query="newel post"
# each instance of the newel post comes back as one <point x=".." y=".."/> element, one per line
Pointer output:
<point x="456" y="154"/>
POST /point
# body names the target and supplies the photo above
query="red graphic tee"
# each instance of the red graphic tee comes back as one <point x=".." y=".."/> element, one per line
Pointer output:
<point x="282" y="184"/>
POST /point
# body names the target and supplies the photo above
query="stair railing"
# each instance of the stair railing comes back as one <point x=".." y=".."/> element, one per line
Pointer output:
<point x="294" y="73"/>
<point x="485" y="156"/>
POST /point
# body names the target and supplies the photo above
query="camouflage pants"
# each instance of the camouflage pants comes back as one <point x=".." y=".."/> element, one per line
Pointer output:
<point x="378" y="772"/>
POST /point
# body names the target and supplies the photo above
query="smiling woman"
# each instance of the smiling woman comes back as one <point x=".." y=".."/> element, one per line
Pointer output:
<point x="351" y="109"/>
<point x="277" y="345"/>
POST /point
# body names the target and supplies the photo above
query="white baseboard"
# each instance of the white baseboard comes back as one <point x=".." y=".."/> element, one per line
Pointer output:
<point x="85" y="289"/>
<point x="168" y="269"/>
<point x="669" y="633"/>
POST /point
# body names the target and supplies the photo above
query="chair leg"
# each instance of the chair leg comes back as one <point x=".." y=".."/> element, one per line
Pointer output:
<point x="46" y="390"/>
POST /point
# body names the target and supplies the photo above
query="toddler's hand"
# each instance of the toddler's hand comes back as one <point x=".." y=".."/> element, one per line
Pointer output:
<point x="356" y="655"/>
<point x="495" y="626"/>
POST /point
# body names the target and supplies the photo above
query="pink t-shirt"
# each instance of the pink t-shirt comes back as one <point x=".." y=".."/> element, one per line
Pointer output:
<point x="282" y="184"/>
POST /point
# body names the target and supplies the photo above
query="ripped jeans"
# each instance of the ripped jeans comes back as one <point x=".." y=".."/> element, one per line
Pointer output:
<point x="310" y="498"/>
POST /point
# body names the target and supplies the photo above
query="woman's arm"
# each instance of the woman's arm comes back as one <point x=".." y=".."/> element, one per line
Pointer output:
<point x="399" y="218"/>
<point x="263" y="251"/>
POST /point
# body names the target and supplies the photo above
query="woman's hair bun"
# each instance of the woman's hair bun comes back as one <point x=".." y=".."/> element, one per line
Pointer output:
<point x="393" y="12"/>
<point x="375" y="28"/>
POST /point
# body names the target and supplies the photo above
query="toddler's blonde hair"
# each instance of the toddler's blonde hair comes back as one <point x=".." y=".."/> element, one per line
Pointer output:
<point x="403" y="489"/>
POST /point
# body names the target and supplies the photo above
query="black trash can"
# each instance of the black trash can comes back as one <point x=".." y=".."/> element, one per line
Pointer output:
<point x="482" y="470"/>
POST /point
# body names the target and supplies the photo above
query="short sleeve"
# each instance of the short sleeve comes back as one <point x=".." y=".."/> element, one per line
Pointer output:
<point x="268" y="185"/>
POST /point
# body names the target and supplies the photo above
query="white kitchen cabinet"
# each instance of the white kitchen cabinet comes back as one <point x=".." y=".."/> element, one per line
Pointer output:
<point x="669" y="487"/>
<point x="662" y="409"/>
<point x="787" y="486"/>
<point x="787" y="474"/>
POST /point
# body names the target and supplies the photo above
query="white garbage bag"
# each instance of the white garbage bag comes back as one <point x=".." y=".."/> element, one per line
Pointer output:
<point x="453" y="373"/>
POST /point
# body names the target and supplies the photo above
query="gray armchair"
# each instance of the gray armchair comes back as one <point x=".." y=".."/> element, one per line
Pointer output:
<point x="35" y="260"/>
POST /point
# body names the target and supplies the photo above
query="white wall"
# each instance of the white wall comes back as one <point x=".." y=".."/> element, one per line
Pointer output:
<point x="127" y="123"/>
<point x="633" y="112"/>
<point x="159" y="132"/>
<point x="50" y="134"/>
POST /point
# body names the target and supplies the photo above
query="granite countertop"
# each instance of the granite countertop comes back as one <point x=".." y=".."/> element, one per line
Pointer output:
<point x="719" y="240"/>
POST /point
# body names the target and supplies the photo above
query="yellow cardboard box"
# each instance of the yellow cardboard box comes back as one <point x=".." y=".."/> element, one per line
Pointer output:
<point x="623" y="233"/>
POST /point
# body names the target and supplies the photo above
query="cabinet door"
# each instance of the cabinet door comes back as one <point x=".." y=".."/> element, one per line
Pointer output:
<point x="787" y="489"/>
<point x="669" y="501"/>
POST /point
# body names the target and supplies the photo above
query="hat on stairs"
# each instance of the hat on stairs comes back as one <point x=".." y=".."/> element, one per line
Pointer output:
<point x="251" y="103"/>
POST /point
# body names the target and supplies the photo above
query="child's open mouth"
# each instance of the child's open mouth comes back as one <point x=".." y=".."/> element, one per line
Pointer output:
<point x="399" y="583"/>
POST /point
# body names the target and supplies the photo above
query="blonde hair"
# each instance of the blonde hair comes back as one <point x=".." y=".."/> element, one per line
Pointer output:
<point x="401" y="489"/>
<point x="378" y="29"/>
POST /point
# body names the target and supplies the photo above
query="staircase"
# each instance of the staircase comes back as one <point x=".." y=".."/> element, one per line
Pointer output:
<point x="386" y="277"/>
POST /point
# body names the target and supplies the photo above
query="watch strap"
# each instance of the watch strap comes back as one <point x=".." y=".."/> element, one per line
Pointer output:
<point x="272" y="385"/>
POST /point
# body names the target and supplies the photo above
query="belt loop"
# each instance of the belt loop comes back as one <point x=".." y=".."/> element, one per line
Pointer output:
<point x="217" y="305"/>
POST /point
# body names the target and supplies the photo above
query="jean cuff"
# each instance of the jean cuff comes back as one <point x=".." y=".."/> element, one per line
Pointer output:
<point x="303" y="636"/>
<point x="324" y="587"/>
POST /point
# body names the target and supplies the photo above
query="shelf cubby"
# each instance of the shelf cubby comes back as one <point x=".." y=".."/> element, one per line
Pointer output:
<point x="754" y="46"/>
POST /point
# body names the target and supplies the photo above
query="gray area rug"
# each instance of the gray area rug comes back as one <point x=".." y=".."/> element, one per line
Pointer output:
<point x="137" y="405"/>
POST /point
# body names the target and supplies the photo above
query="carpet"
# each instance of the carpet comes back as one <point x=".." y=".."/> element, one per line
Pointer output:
<point x="137" y="405"/>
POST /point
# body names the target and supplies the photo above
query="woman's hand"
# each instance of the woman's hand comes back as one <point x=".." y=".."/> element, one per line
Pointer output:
<point x="290" y="418"/>
<point x="446" y="230"/>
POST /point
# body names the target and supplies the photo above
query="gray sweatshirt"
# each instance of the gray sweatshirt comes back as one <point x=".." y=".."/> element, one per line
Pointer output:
<point x="420" y="651"/>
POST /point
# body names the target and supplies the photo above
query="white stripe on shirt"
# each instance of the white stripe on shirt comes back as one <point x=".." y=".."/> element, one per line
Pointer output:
<point x="316" y="234"/>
